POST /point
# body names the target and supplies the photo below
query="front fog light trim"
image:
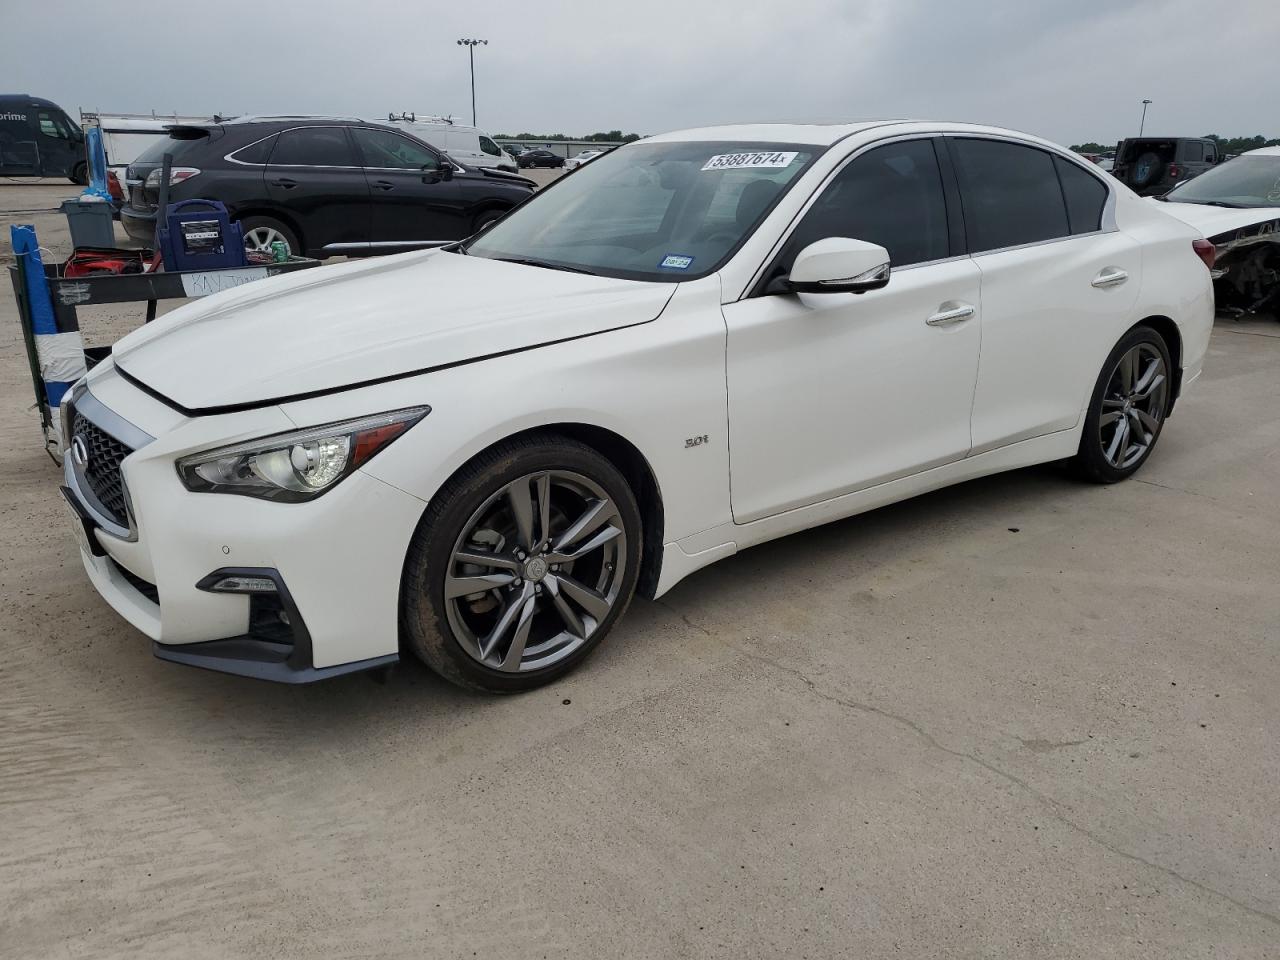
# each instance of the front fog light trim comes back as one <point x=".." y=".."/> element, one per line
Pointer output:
<point x="298" y="465"/>
<point x="242" y="584"/>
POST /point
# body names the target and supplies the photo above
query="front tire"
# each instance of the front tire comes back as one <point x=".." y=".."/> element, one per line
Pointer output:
<point x="1128" y="408"/>
<point x="79" y="175"/>
<point x="521" y="565"/>
<point x="484" y="219"/>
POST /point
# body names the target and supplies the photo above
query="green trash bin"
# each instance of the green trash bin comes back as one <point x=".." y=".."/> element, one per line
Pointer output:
<point x="90" y="223"/>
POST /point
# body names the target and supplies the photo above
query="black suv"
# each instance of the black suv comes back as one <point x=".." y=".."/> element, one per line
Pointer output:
<point x="325" y="187"/>
<point x="1155" y="165"/>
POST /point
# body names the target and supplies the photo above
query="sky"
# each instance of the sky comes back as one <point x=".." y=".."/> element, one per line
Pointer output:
<point x="1068" y="70"/>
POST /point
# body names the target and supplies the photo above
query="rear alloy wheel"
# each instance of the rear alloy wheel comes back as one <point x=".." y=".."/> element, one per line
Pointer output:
<point x="260" y="232"/>
<point x="522" y="566"/>
<point x="1128" y="408"/>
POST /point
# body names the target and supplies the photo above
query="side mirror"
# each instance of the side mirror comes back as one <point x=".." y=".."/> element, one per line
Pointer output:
<point x="839" y="265"/>
<point x="436" y="174"/>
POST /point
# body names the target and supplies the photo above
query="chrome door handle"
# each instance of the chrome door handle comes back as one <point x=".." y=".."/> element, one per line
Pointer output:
<point x="961" y="311"/>
<point x="1110" y="277"/>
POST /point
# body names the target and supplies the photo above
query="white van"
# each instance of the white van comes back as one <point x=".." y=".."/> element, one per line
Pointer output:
<point x="470" y="146"/>
<point x="126" y="135"/>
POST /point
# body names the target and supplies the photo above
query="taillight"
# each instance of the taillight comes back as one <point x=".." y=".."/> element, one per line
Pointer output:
<point x="1206" y="251"/>
<point x="113" y="186"/>
<point x="176" y="176"/>
<point x="1174" y="170"/>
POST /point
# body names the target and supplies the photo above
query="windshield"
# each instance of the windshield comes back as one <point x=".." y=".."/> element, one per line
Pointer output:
<point x="1242" y="182"/>
<point x="650" y="211"/>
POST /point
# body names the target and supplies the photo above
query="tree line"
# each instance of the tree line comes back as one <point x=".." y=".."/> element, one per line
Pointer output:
<point x="1225" y="144"/>
<point x="608" y="136"/>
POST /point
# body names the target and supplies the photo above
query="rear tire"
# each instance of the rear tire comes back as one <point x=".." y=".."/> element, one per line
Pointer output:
<point x="260" y="232"/>
<point x="79" y="175"/>
<point x="1127" y="409"/>
<point x="548" y="533"/>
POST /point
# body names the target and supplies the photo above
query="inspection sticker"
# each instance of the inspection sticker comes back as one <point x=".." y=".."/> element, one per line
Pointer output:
<point x="736" y="161"/>
<point x="675" y="261"/>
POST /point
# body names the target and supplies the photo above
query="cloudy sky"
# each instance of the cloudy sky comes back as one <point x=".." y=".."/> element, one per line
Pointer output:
<point x="1070" y="70"/>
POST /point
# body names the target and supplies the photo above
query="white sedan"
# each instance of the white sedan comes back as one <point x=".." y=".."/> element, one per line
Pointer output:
<point x="1237" y="206"/>
<point x="586" y="156"/>
<point x="700" y="342"/>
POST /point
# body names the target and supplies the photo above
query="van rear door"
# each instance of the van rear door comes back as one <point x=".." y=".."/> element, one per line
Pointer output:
<point x="19" y="155"/>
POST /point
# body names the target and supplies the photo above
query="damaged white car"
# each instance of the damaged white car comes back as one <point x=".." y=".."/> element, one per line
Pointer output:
<point x="696" y="343"/>
<point x="1237" y="207"/>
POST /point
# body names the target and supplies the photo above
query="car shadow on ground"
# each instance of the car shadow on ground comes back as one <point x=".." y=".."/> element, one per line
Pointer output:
<point x="356" y="705"/>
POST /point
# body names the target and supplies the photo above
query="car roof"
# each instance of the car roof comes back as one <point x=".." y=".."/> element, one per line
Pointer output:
<point x="827" y="134"/>
<point x="291" y="118"/>
<point x="28" y="99"/>
<point x="1262" y="152"/>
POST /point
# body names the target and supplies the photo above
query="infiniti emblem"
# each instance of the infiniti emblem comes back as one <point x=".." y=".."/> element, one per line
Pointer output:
<point x="79" y="451"/>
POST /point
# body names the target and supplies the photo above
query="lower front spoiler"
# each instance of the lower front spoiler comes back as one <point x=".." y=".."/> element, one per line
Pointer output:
<point x="260" y="660"/>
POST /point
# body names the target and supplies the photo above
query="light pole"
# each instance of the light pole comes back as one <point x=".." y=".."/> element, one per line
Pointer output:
<point x="1141" y="126"/>
<point x="471" y="51"/>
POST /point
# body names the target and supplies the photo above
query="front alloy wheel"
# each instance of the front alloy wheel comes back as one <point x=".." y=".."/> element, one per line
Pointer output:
<point x="521" y="565"/>
<point x="536" y="571"/>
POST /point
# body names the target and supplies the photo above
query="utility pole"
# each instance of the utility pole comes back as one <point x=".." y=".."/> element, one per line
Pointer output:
<point x="1141" y="126"/>
<point x="471" y="51"/>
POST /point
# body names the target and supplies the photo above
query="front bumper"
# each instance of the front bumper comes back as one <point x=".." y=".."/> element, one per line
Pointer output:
<point x="335" y="562"/>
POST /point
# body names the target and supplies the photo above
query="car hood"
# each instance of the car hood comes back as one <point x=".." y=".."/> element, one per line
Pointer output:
<point x="1211" y="221"/>
<point x="329" y="328"/>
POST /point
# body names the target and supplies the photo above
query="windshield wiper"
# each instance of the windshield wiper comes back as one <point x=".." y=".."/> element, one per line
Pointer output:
<point x="1216" y="203"/>
<point x="546" y="264"/>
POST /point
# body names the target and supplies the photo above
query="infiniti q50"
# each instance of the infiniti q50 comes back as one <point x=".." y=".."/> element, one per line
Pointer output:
<point x="698" y="342"/>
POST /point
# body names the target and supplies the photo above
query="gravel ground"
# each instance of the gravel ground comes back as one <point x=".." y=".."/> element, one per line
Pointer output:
<point x="1022" y="717"/>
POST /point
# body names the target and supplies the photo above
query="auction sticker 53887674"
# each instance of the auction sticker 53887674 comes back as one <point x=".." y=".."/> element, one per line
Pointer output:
<point x="741" y="161"/>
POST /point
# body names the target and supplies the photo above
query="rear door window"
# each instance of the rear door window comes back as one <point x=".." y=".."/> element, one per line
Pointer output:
<point x="1085" y="195"/>
<point x="313" y="147"/>
<point x="1010" y="192"/>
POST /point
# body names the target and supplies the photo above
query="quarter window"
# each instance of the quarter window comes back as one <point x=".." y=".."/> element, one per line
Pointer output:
<point x="384" y="150"/>
<point x="1010" y="192"/>
<point x="891" y="196"/>
<point x="1085" y="195"/>
<point x="314" y="147"/>
<point x="255" y="152"/>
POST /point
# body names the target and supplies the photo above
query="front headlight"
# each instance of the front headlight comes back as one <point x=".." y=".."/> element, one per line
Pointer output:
<point x="296" y="466"/>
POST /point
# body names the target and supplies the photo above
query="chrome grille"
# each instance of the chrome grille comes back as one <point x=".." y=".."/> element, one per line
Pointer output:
<point x="102" y="467"/>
